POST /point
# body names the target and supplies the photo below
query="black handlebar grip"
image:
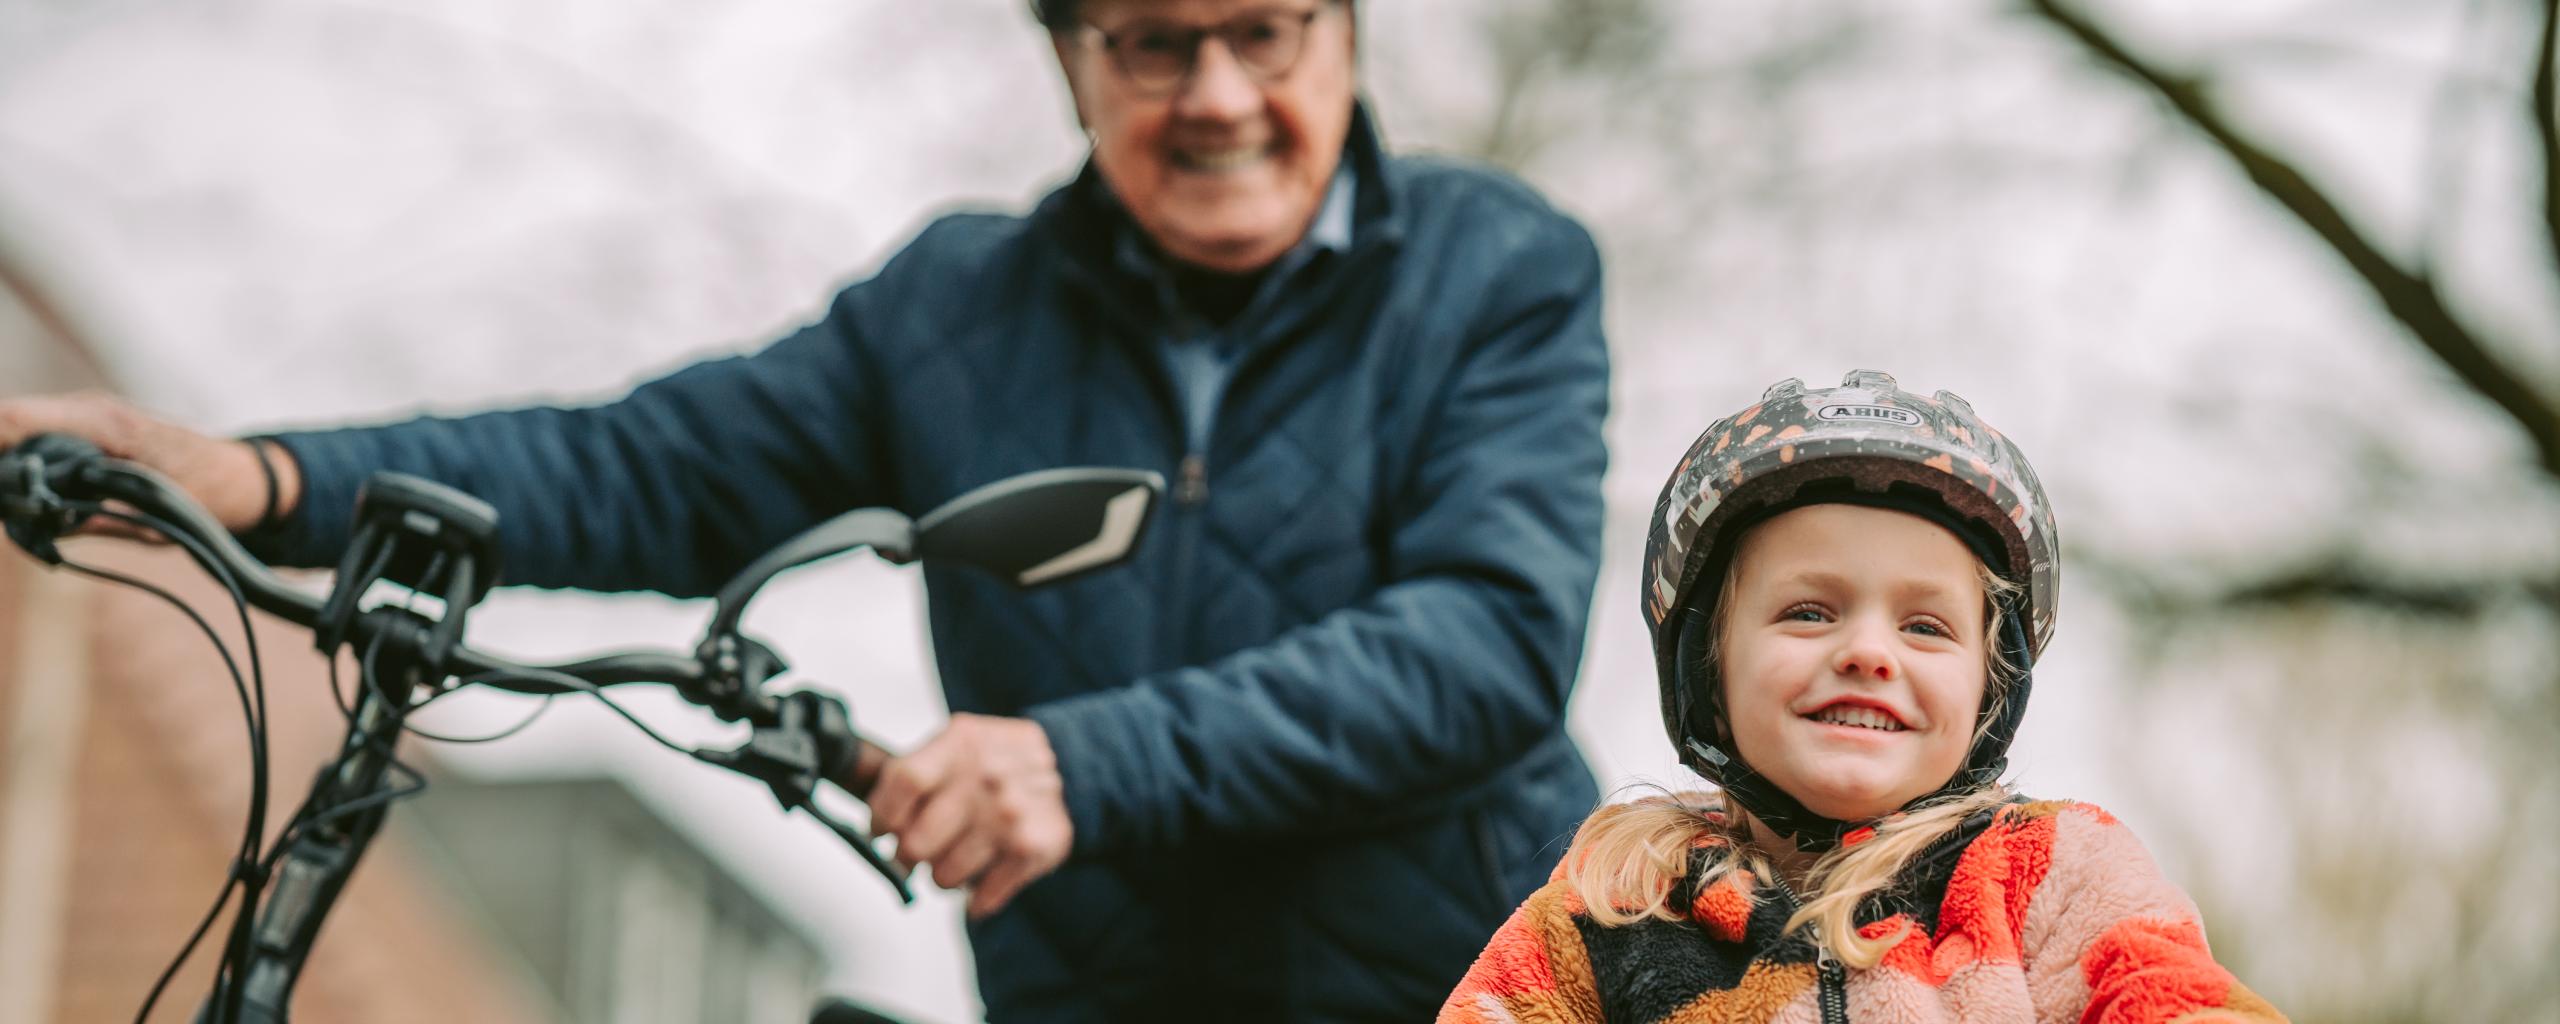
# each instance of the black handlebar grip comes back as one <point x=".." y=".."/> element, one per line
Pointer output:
<point x="29" y="472"/>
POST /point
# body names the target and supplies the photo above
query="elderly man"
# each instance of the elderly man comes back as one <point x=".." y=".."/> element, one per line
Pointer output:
<point x="1298" y="758"/>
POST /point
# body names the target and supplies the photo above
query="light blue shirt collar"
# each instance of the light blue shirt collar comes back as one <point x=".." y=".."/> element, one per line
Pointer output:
<point x="1331" y="231"/>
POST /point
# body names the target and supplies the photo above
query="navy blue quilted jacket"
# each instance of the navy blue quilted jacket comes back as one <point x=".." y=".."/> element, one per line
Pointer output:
<point x="1313" y="733"/>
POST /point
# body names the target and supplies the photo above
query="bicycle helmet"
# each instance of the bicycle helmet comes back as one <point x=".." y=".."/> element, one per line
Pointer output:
<point x="1866" y="442"/>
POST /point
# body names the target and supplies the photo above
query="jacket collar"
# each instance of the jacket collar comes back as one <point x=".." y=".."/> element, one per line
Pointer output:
<point x="1740" y="908"/>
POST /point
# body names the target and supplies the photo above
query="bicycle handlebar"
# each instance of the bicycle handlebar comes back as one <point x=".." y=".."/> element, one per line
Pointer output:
<point x="1031" y="530"/>
<point x="49" y="483"/>
<point x="33" y="486"/>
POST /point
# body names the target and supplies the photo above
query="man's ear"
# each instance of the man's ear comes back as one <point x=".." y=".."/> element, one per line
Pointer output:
<point x="1065" y="48"/>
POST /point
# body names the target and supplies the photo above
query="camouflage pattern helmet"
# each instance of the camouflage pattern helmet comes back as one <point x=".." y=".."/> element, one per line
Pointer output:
<point x="1862" y="442"/>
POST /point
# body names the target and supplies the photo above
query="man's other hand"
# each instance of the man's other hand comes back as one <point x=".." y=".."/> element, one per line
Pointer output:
<point x="982" y="804"/>
<point x="220" y="473"/>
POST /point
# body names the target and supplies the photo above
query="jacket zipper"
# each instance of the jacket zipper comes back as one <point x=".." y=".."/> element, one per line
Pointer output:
<point x="1835" y="991"/>
<point x="1190" y="497"/>
<point x="1193" y="486"/>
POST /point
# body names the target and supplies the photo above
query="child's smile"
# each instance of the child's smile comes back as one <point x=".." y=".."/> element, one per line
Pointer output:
<point x="1860" y="713"/>
<point x="1853" y="656"/>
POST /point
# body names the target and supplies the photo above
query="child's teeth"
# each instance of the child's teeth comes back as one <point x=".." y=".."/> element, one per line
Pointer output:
<point x="1866" y="718"/>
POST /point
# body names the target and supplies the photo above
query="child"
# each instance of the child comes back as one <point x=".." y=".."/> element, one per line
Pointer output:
<point x="1846" y="589"/>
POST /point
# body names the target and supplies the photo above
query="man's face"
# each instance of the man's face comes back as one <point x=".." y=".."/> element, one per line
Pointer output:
<point x="1225" y="166"/>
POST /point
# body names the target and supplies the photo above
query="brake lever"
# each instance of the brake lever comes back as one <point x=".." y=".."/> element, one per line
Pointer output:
<point x="785" y="752"/>
<point x="38" y="516"/>
<point x="862" y="845"/>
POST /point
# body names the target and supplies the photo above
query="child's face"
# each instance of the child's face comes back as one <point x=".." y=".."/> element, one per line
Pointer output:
<point x="1844" y="618"/>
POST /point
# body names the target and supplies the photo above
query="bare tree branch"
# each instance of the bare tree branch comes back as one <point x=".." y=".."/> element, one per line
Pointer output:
<point x="1549" y="46"/>
<point x="2411" y="299"/>
<point x="2448" y="145"/>
<point x="2338" y="579"/>
<point x="2546" y="120"/>
<point x="2346" y="585"/>
<point x="1518" y="66"/>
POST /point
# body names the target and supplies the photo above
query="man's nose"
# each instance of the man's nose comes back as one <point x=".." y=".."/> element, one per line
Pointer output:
<point x="1219" y="89"/>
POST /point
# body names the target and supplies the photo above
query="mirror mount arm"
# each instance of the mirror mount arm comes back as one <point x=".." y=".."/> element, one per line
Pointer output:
<point x="736" y="666"/>
<point x="885" y="531"/>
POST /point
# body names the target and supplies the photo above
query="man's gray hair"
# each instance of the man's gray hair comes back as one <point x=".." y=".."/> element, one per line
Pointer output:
<point x="1058" y="15"/>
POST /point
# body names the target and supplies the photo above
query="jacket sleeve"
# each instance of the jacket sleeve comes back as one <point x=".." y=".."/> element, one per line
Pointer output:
<point x="1459" y="665"/>
<point x="1535" y="969"/>
<point x="672" y="488"/>
<point x="2108" y="939"/>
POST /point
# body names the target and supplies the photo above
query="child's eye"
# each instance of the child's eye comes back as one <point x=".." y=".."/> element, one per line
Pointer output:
<point x="1807" y="612"/>
<point x="1930" y="627"/>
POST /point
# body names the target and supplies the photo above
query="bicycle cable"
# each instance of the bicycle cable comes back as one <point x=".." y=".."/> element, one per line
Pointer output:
<point x="253" y="887"/>
<point x="410" y="603"/>
<point x="537" y="675"/>
<point x="245" y="874"/>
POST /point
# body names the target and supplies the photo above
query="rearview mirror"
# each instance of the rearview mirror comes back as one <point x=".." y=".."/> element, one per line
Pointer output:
<point x="1031" y="530"/>
<point x="1039" y="528"/>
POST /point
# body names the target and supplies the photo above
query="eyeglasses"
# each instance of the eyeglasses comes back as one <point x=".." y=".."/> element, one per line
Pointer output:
<point x="1158" y="56"/>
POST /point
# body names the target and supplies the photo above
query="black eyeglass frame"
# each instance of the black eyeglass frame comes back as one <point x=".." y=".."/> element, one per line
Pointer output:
<point x="1192" y="37"/>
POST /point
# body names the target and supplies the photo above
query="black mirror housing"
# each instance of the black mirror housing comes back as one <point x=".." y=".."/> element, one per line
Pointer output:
<point x="1032" y="529"/>
<point x="1043" y="527"/>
